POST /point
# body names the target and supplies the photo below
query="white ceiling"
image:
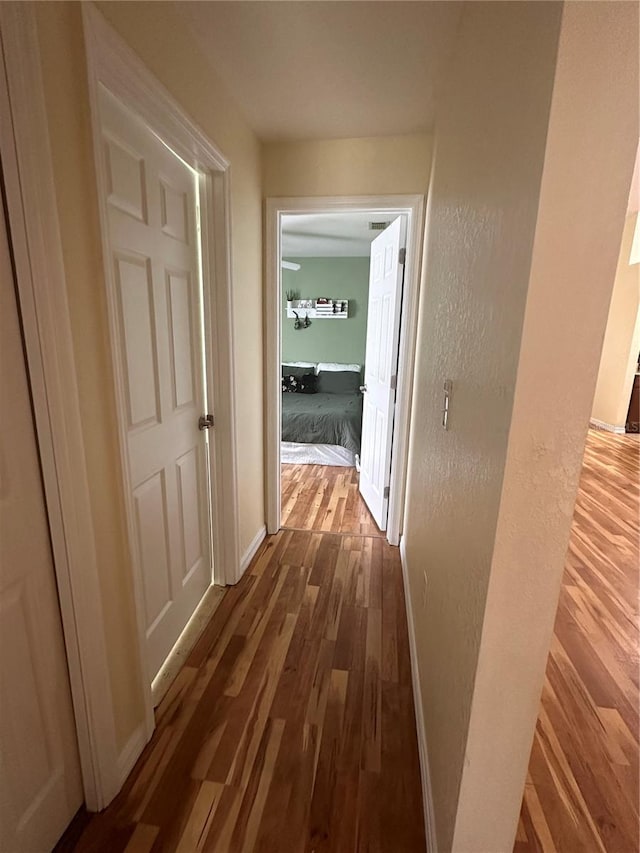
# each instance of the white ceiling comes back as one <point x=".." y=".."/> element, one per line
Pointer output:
<point x="304" y="70"/>
<point x="330" y="235"/>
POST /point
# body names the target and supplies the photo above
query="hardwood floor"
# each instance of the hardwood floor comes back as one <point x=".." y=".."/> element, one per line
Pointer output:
<point x="291" y="727"/>
<point x="582" y="787"/>
<point x="324" y="497"/>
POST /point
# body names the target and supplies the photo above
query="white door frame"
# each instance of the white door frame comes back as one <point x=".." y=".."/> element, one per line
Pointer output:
<point x="276" y="208"/>
<point x="112" y="64"/>
<point x="37" y="251"/>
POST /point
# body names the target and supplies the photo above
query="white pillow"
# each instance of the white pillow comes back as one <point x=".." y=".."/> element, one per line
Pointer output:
<point x="298" y="364"/>
<point x="335" y="366"/>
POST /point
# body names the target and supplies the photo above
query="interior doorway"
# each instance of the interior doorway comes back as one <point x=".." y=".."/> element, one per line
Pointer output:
<point x="340" y="335"/>
<point x="616" y="401"/>
<point x="163" y="191"/>
<point x="340" y="349"/>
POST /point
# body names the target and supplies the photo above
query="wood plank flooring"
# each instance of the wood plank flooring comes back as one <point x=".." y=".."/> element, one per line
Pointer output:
<point x="324" y="497"/>
<point x="582" y="787"/>
<point x="291" y="727"/>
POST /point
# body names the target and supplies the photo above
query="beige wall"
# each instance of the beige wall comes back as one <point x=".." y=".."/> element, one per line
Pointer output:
<point x="333" y="167"/>
<point x="481" y="214"/>
<point x="160" y="38"/>
<point x="622" y="338"/>
<point x="490" y="501"/>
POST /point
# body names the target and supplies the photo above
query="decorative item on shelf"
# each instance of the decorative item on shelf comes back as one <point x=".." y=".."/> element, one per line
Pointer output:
<point x="301" y="324"/>
<point x="291" y="295"/>
<point x="327" y="308"/>
<point x="317" y="309"/>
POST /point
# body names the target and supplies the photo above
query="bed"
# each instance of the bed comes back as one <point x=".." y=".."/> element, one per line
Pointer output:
<point x="322" y="419"/>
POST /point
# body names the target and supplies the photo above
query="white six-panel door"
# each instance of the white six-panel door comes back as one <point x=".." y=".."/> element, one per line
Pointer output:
<point x="153" y="236"/>
<point x="381" y="360"/>
<point x="40" y="783"/>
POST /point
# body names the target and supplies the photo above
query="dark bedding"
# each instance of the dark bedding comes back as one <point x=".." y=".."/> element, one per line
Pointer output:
<point x="323" y="419"/>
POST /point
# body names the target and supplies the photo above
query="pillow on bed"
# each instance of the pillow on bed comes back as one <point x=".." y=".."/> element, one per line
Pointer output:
<point x="306" y="364"/>
<point x="338" y="382"/>
<point x="294" y="370"/>
<point x="336" y="367"/>
<point x="308" y="384"/>
<point x="304" y="384"/>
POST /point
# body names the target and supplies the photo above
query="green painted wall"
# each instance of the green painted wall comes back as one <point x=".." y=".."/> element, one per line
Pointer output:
<point x="327" y="340"/>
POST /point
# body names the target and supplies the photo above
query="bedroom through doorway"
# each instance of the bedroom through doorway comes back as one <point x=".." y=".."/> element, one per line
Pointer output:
<point x="342" y="276"/>
<point x="341" y="316"/>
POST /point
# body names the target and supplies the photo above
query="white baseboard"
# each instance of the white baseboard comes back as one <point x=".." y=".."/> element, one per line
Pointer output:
<point x="130" y="753"/>
<point x="250" y="553"/>
<point x="427" y="796"/>
<point x="596" y="424"/>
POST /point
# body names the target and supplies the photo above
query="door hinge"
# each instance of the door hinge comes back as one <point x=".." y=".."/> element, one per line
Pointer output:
<point x="394" y="382"/>
<point x="205" y="422"/>
<point x="402" y="256"/>
<point x="385" y="494"/>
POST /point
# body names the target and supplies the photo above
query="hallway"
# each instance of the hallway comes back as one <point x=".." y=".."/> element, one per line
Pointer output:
<point x="325" y="497"/>
<point x="582" y="786"/>
<point x="291" y="727"/>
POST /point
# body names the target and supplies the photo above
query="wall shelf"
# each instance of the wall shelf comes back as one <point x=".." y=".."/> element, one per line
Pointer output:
<point x="334" y="309"/>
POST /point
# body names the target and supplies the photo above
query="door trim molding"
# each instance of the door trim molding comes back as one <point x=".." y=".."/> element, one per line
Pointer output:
<point x="35" y="237"/>
<point x="113" y="65"/>
<point x="594" y="423"/>
<point x="275" y="209"/>
<point x="421" y="730"/>
<point x="252" y="550"/>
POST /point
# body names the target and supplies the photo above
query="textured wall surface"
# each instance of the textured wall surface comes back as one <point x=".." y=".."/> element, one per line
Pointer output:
<point x="328" y="340"/>
<point x="490" y="139"/>
<point x="582" y="206"/>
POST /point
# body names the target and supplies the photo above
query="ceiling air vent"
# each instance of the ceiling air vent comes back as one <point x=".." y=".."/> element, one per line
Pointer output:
<point x="377" y="226"/>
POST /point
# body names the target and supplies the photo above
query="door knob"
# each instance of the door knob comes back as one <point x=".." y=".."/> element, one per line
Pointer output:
<point x="363" y="389"/>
